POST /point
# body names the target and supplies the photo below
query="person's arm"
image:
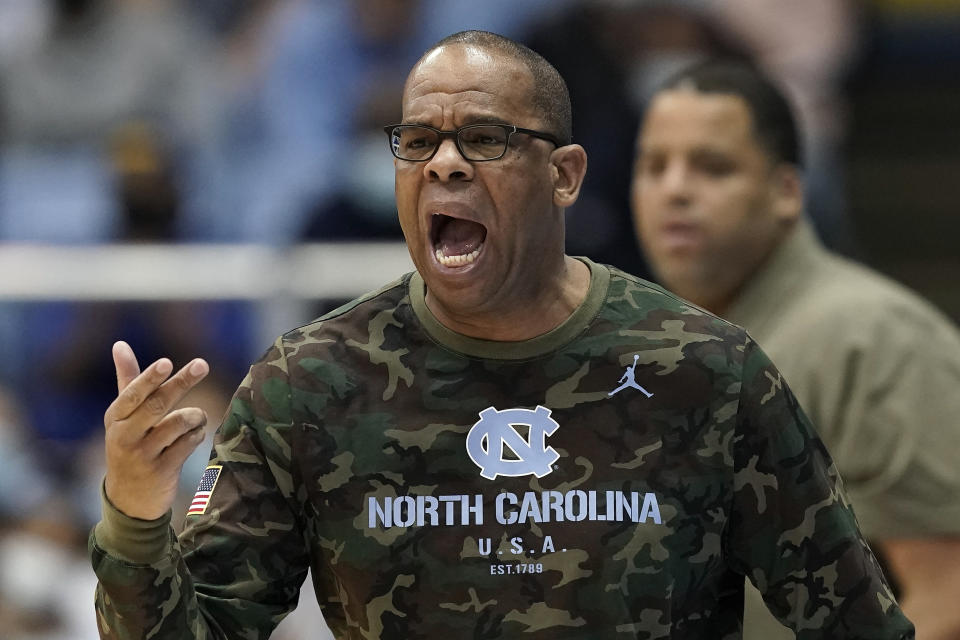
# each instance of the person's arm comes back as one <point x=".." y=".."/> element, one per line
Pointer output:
<point x="236" y="569"/>
<point x="792" y="530"/>
<point x="928" y="571"/>
<point x="911" y="504"/>
<point x="898" y="420"/>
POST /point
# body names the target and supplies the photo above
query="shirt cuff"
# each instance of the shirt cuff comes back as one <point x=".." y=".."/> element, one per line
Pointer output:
<point x="132" y="539"/>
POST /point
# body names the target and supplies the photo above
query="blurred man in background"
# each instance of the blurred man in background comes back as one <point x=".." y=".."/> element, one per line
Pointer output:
<point x="718" y="207"/>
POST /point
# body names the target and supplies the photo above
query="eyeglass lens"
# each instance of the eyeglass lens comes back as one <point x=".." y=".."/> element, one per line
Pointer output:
<point x="480" y="142"/>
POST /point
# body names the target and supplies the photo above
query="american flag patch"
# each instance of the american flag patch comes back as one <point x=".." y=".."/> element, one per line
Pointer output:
<point x="202" y="497"/>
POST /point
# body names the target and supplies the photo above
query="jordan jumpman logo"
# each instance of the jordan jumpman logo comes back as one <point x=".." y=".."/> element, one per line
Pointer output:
<point x="628" y="380"/>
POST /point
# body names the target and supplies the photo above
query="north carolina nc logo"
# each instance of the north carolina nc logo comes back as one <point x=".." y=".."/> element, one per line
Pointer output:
<point x="487" y="438"/>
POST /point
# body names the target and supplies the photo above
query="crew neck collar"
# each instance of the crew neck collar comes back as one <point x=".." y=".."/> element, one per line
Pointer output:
<point x="575" y="324"/>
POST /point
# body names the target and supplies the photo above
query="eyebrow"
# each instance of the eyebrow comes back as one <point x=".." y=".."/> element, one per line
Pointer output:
<point x="469" y="120"/>
<point x="643" y="149"/>
<point x="709" y="153"/>
<point x="484" y="120"/>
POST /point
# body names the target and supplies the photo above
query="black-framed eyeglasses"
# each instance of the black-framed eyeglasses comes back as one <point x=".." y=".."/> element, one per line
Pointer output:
<point x="476" y="142"/>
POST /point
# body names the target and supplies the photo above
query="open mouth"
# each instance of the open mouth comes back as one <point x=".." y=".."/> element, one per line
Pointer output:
<point x="456" y="242"/>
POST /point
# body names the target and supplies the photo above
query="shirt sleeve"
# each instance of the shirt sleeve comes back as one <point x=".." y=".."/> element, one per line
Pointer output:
<point x="898" y="423"/>
<point x="236" y="570"/>
<point x="792" y="530"/>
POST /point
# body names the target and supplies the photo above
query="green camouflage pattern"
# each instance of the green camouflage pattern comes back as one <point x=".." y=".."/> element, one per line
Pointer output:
<point x="364" y="408"/>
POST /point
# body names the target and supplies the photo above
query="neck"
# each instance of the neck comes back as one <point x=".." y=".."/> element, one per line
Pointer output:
<point x="716" y="296"/>
<point x="717" y="290"/>
<point x="546" y="307"/>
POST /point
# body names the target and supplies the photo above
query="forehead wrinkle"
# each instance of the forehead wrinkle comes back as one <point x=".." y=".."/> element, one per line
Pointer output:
<point x="459" y="107"/>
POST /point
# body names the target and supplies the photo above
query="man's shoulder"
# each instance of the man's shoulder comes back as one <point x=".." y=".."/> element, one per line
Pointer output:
<point x="845" y="292"/>
<point x="356" y="314"/>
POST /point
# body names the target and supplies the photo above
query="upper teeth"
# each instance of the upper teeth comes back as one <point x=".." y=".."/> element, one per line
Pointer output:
<point x="459" y="260"/>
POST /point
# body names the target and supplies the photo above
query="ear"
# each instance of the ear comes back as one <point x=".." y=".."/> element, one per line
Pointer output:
<point x="568" y="166"/>
<point x="786" y="192"/>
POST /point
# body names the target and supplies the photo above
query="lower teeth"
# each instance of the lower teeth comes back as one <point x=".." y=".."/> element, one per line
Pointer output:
<point x="458" y="260"/>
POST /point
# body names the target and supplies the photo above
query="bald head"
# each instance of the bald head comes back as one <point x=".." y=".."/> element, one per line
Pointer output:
<point x="550" y="98"/>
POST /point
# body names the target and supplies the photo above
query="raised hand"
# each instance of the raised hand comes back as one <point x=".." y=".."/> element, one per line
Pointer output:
<point x="146" y="442"/>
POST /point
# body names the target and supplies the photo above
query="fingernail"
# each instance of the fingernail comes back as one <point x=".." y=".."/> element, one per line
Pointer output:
<point x="197" y="368"/>
<point x="164" y="367"/>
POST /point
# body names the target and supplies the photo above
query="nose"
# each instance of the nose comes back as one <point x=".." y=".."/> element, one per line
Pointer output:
<point x="448" y="164"/>
<point x="675" y="183"/>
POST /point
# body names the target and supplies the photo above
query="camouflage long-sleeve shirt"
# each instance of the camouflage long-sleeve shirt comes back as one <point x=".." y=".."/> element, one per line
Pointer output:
<point x="615" y="478"/>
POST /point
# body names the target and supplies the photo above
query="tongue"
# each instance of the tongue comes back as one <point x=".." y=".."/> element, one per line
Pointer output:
<point x="460" y="237"/>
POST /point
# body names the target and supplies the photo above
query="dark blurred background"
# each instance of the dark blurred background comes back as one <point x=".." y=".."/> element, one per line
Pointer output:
<point x="134" y="130"/>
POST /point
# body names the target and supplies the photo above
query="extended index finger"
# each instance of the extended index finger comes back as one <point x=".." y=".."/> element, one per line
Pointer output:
<point x="126" y="364"/>
<point x="138" y="390"/>
<point x="151" y="394"/>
